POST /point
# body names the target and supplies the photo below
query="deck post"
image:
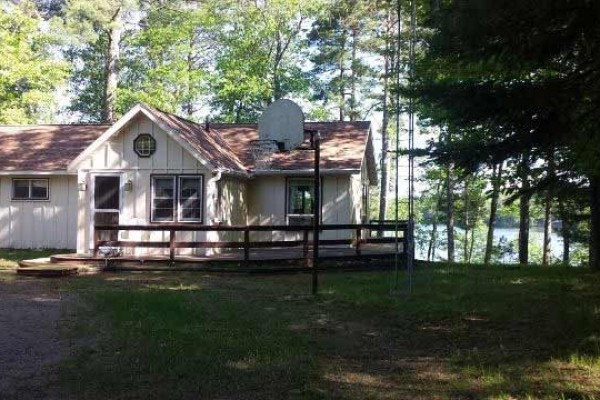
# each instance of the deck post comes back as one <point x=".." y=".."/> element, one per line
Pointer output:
<point x="305" y="247"/>
<point x="96" y="241"/>
<point x="172" y="245"/>
<point x="246" y="244"/>
<point x="358" y="240"/>
<point x="317" y="213"/>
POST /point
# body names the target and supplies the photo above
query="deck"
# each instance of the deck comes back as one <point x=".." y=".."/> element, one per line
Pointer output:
<point x="368" y="243"/>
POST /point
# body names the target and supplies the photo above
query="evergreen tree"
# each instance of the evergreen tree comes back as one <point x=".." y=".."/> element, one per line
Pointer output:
<point x="517" y="79"/>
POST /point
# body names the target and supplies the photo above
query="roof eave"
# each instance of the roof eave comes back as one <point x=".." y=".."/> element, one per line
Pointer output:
<point x="56" y="172"/>
<point x="304" y="171"/>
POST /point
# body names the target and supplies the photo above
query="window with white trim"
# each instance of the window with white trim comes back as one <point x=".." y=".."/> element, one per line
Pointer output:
<point x="30" y="189"/>
<point x="190" y="198"/>
<point x="176" y="198"/>
<point x="300" y="201"/>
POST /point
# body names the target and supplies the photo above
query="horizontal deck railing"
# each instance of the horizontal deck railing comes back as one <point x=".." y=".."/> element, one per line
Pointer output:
<point x="246" y="244"/>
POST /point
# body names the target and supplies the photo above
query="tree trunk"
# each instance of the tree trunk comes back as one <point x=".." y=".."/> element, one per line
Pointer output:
<point x="524" y="212"/>
<point x="546" y="251"/>
<point x="450" y="213"/>
<point x="385" y="141"/>
<point x="565" y="232"/>
<point x="434" y="224"/>
<point x="189" y="103"/>
<point x="472" y="244"/>
<point x="496" y="182"/>
<point x="547" y="230"/>
<point x="353" y="75"/>
<point x="467" y="222"/>
<point x="432" y="240"/>
<point x="277" y="92"/>
<point x="342" y="94"/>
<point x="111" y="70"/>
<point x="594" y="251"/>
<point x="435" y="8"/>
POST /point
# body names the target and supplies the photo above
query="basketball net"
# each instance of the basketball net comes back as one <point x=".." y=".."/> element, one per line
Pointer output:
<point x="262" y="152"/>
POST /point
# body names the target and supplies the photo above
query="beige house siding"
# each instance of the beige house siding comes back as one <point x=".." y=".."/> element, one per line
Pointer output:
<point x="48" y="223"/>
<point x="117" y="156"/>
<point x="266" y="205"/>
<point x="231" y="196"/>
<point x="337" y="205"/>
<point x="267" y="201"/>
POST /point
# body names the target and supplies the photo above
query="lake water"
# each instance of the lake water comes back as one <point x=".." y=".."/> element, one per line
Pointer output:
<point x="506" y="235"/>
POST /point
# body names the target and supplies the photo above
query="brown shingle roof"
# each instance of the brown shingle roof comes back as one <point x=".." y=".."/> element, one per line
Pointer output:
<point x="343" y="145"/>
<point x="209" y="144"/>
<point x="53" y="147"/>
<point x="44" y="147"/>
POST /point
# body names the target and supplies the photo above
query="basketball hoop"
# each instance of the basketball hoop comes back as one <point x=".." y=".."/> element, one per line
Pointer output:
<point x="262" y="151"/>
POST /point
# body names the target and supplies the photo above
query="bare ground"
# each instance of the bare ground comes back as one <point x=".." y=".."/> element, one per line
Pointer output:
<point x="30" y="315"/>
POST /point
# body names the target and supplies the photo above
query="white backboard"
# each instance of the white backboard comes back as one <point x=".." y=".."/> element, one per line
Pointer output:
<point x="282" y="121"/>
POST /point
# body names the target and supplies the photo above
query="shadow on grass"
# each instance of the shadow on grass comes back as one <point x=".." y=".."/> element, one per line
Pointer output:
<point x="476" y="333"/>
<point x="464" y="333"/>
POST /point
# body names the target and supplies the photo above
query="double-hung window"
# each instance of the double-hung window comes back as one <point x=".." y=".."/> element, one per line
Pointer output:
<point x="177" y="198"/>
<point x="30" y="189"/>
<point x="190" y="199"/>
<point x="300" y="204"/>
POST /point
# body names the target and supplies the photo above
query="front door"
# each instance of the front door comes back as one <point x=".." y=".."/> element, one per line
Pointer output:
<point x="106" y="204"/>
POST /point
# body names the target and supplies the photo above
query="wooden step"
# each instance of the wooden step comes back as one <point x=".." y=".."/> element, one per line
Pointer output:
<point x="44" y="267"/>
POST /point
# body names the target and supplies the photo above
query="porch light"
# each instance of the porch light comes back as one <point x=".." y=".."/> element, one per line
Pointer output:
<point x="82" y="186"/>
<point x="128" y="186"/>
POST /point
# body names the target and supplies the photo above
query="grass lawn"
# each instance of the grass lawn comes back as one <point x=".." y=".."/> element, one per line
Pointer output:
<point x="464" y="333"/>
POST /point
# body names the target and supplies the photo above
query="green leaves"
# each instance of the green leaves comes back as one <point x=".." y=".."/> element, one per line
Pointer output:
<point x="30" y="72"/>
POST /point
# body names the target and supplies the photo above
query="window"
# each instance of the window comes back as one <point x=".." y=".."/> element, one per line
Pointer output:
<point x="107" y="192"/>
<point x="30" y="189"/>
<point x="144" y="145"/>
<point x="176" y="198"/>
<point x="190" y="199"/>
<point x="163" y="199"/>
<point x="300" y="206"/>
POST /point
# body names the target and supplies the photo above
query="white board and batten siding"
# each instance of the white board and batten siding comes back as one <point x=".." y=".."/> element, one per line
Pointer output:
<point x="39" y="224"/>
<point x="118" y="156"/>
<point x="267" y="201"/>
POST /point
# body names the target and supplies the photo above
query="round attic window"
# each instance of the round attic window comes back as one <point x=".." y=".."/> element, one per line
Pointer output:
<point x="144" y="145"/>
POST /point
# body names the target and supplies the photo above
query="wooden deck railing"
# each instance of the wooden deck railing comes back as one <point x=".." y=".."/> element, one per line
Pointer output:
<point x="362" y="235"/>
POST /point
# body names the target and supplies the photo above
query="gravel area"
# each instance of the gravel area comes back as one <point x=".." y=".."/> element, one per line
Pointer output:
<point x="30" y="315"/>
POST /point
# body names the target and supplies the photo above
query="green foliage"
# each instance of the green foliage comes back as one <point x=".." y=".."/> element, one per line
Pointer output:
<point x="87" y="78"/>
<point x="257" y="59"/>
<point x="511" y="82"/>
<point x="30" y="71"/>
<point x="166" y="61"/>
<point x="339" y="40"/>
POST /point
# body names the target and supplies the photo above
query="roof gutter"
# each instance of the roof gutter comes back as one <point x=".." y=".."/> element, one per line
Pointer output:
<point x="230" y="172"/>
<point x="303" y="172"/>
<point x="61" y="172"/>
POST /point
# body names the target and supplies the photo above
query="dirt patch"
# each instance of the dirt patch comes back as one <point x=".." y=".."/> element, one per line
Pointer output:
<point x="30" y="315"/>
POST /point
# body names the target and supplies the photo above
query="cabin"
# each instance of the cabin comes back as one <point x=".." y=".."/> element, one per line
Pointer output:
<point x="57" y="182"/>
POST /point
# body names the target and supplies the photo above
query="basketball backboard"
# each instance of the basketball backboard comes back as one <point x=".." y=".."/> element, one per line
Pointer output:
<point x="283" y="122"/>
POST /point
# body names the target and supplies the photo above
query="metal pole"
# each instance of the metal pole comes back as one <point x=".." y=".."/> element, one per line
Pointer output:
<point x="396" y="161"/>
<point x="411" y="144"/>
<point x="317" y="213"/>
